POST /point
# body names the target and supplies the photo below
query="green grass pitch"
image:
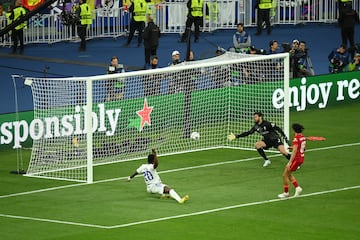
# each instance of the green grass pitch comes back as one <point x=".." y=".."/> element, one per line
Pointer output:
<point x="231" y="195"/>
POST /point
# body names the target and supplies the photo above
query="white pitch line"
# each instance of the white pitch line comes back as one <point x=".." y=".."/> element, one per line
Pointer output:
<point x="170" y="171"/>
<point x="176" y="216"/>
<point x="229" y="207"/>
<point x="53" y="221"/>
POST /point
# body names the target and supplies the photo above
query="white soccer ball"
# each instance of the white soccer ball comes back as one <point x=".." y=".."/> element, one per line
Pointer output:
<point x="195" y="136"/>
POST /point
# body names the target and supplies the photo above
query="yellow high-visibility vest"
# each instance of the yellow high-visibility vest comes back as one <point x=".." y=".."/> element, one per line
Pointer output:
<point x="139" y="10"/>
<point x="265" y="4"/>
<point x="85" y="14"/>
<point x="18" y="12"/>
<point x="213" y="10"/>
<point x="151" y="10"/>
<point x="197" y="8"/>
<point x="8" y="20"/>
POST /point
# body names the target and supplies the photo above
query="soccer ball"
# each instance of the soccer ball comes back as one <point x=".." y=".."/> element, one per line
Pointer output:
<point x="195" y="136"/>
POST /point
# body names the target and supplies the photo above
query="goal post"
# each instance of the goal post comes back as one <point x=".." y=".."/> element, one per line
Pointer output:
<point x="82" y="122"/>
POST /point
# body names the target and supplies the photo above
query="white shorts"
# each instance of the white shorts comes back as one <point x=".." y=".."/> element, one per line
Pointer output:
<point x="156" y="188"/>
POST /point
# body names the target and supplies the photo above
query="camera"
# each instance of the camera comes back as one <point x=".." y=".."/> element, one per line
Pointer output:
<point x="112" y="69"/>
<point x="261" y="51"/>
<point x="286" y="47"/>
<point x="337" y="66"/>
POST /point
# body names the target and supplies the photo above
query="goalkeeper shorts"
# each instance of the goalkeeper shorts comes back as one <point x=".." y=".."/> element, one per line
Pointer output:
<point x="275" y="143"/>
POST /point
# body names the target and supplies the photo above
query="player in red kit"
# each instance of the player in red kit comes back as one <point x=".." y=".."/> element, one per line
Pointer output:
<point x="297" y="158"/>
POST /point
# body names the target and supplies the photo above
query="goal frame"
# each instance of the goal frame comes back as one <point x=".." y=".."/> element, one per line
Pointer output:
<point x="89" y="100"/>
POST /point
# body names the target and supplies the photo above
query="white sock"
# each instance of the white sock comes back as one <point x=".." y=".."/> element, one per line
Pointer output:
<point x="174" y="195"/>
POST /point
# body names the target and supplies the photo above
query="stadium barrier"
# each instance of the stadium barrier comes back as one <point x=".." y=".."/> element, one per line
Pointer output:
<point x="305" y="93"/>
<point x="171" y="18"/>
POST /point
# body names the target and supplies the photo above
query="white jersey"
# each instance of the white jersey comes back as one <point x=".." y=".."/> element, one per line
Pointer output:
<point x="150" y="174"/>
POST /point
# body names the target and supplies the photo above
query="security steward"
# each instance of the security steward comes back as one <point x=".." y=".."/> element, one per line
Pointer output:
<point x="263" y="7"/>
<point x="8" y="20"/>
<point x="343" y="4"/>
<point x="84" y="13"/>
<point x="138" y="10"/>
<point x="195" y="16"/>
<point x="18" y="32"/>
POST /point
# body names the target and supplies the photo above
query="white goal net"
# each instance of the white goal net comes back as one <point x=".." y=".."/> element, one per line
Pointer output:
<point x="87" y="121"/>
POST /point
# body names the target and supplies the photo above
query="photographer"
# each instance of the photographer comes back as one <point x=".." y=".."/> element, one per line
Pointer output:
<point x="112" y="85"/>
<point x="354" y="65"/>
<point x="300" y="61"/>
<point x="339" y="59"/>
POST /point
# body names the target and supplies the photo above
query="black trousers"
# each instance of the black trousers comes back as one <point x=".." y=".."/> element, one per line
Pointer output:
<point x="18" y="36"/>
<point x="348" y="34"/>
<point x="148" y="53"/>
<point x="139" y="26"/>
<point x="197" y="21"/>
<point x="263" y="16"/>
<point x="81" y="30"/>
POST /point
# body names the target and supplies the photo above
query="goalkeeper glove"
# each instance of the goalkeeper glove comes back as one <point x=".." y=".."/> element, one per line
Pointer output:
<point x="231" y="137"/>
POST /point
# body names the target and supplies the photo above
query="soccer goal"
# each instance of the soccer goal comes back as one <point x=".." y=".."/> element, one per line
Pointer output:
<point x="87" y="121"/>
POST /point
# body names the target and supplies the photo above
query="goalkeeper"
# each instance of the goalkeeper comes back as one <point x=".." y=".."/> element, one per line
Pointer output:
<point x="271" y="137"/>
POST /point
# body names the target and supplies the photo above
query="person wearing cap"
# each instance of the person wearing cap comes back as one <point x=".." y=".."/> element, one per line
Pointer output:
<point x="241" y="39"/>
<point x="175" y="58"/>
<point x="354" y="65"/>
<point x="219" y="52"/>
<point x="294" y="46"/>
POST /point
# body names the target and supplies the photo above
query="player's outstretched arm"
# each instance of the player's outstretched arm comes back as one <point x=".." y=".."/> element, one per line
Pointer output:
<point x="244" y="134"/>
<point x="156" y="160"/>
<point x="232" y="136"/>
<point x="132" y="176"/>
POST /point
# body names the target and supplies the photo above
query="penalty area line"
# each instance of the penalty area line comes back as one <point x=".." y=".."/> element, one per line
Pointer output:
<point x="169" y="171"/>
<point x="52" y="221"/>
<point x="229" y="208"/>
<point x="175" y="216"/>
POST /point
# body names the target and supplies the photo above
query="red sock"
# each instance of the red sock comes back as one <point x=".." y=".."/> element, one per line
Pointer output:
<point x="294" y="182"/>
<point x="286" y="188"/>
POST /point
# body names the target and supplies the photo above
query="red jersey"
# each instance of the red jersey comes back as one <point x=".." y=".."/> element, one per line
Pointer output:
<point x="299" y="141"/>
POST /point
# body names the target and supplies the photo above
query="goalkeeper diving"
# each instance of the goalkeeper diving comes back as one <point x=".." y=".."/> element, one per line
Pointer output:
<point x="271" y="137"/>
<point x="153" y="181"/>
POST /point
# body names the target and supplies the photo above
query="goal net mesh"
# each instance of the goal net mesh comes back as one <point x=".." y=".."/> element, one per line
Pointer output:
<point x="134" y="112"/>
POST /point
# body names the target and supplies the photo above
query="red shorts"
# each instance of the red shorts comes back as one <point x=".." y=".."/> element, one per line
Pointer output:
<point x="294" y="165"/>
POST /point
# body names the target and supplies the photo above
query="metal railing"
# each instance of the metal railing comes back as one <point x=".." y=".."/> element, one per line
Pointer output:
<point x="170" y="16"/>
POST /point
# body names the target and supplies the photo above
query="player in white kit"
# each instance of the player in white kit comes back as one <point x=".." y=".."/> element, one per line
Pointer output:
<point x="153" y="181"/>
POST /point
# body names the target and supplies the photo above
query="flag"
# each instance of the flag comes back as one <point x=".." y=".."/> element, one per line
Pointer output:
<point x="32" y="4"/>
